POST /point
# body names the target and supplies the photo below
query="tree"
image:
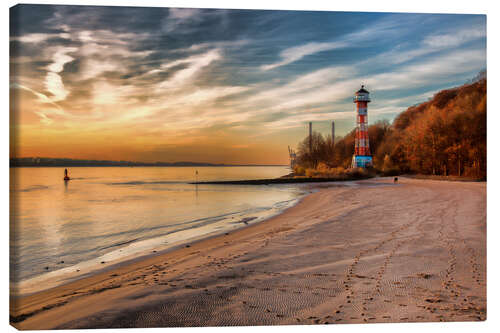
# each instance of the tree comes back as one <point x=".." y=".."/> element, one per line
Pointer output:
<point x="311" y="151"/>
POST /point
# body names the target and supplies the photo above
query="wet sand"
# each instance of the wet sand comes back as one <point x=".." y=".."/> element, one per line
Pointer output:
<point x="379" y="252"/>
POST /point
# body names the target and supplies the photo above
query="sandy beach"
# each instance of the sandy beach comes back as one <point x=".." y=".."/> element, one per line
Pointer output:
<point x="369" y="253"/>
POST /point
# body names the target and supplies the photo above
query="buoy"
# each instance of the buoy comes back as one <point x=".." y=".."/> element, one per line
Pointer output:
<point x="66" y="177"/>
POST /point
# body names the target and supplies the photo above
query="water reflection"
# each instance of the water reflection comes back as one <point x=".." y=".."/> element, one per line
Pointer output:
<point x="106" y="208"/>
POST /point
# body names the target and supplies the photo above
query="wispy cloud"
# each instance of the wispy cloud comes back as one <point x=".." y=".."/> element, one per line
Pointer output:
<point x="455" y="38"/>
<point x="179" y="18"/>
<point x="432" y="44"/>
<point x="53" y="81"/>
<point x="195" y="64"/>
<point x="381" y="29"/>
<point x="38" y="37"/>
<point x="184" y="76"/>
<point x="295" y="53"/>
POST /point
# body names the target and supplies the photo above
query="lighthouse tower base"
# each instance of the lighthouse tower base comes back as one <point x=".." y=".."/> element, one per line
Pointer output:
<point x="360" y="161"/>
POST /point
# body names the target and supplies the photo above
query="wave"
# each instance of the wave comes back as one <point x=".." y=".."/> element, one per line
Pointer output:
<point x="162" y="182"/>
<point x="120" y="244"/>
<point x="32" y="188"/>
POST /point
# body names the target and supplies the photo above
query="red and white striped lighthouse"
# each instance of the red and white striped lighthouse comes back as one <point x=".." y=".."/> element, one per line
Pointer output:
<point x="362" y="156"/>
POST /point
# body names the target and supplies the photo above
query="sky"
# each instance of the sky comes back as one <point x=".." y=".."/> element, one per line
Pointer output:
<point x="219" y="86"/>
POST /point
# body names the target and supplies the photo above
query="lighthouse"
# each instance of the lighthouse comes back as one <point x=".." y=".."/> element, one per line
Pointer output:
<point x="362" y="157"/>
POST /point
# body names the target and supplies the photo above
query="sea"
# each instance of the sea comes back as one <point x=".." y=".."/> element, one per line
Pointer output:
<point x="61" y="231"/>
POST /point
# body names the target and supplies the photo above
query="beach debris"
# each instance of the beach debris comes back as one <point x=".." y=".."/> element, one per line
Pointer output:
<point x="245" y="220"/>
<point x="424" y="275"/>
<point x="433" y="300"/>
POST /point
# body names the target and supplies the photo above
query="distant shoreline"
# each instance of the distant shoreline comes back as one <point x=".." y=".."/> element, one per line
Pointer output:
<point x="69" y="162"/>
<point x="159" y="166"/>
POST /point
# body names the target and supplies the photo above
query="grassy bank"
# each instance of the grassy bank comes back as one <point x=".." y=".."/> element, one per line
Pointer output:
<point x="316" y="177"/>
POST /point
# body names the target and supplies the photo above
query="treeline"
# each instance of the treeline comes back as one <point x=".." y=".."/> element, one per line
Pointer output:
<point x="68" y="162"/>
<point x="444" y="136"/>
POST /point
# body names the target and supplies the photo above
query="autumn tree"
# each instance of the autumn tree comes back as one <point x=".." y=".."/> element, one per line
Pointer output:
<point x="445" y="135"/>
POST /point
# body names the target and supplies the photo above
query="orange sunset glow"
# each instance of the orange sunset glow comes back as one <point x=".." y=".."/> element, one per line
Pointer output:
<point x="217" y="86"/>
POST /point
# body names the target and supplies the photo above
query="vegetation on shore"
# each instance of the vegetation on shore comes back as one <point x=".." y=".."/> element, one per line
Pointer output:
<point x="445" y="136"/>
<point x="351" y="174"/>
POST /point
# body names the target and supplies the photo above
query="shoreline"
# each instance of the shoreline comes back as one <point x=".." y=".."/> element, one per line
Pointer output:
<point x="74" y="273"/>
<point x="275" y="257"/>
<point x="281" y="180"/>
<point x="131" y="264"/>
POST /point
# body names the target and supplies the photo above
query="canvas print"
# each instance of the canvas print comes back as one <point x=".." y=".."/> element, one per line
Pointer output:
<point x="175" y="167"/>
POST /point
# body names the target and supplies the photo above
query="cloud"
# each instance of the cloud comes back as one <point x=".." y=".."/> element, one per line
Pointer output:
<point x="38" y="37"/>
<point x="327" y="88"/>
<point x="295" y="53"/>
<point x="41" y="97"/>
<point x="431" y="71"/>
<point x="184" y="14"/>
<point x="204" y="96"/>
<point x="92" y="68"/>
<point x="54" y="84"/>
<point x="432" y="44"/>
<point x="105" y="51"/>
<point x="318" y="114"/>
<point x="180" y="19"/>
<point x="43" y="106"/>
<point x="184" y="76"/>
<point x="53" y="81"/>
<point x="60" y="58"/>
<point x="44" y="115"/>
<point x="305" y="83"/>
<point x="454" y="38"/>
<point x="381" y="29"/>
<point x="105" y="93"/>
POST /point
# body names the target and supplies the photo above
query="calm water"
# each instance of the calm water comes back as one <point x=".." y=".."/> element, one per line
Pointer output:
<point x="105" y="213"/>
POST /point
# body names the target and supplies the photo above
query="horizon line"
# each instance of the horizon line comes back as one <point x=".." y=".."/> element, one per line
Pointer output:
<point x="58" y="160"/>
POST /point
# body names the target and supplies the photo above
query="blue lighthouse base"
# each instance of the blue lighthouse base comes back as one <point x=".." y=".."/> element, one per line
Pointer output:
<point x="359" y="161"/>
